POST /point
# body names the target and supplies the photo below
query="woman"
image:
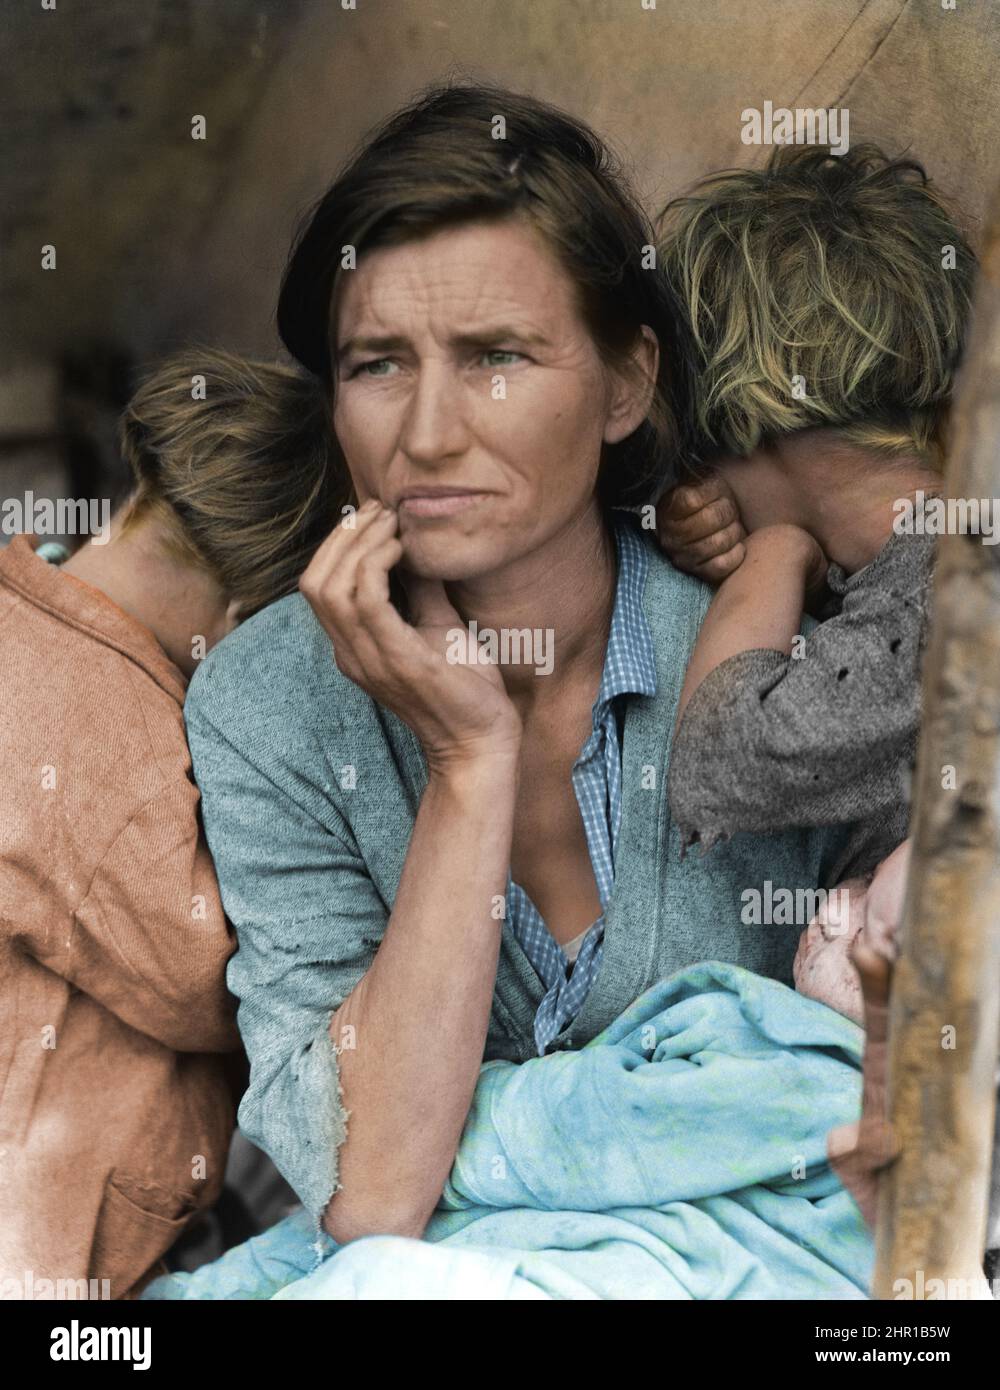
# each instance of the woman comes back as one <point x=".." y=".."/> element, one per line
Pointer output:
<point x="413" y="849"/>
<point x="116" y="1093"/>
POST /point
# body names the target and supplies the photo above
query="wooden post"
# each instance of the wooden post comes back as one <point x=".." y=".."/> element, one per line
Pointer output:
<point x="944" y="1015"/>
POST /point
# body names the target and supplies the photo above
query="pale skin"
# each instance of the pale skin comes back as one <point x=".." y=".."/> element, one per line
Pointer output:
<point x="845" y="960"/>
<point x="856" y="927"/>
<point x="765" y="527"/>
<point x="419" y="335"/>
<point x="859" y="1153"/>
<point x="177" y="602"/>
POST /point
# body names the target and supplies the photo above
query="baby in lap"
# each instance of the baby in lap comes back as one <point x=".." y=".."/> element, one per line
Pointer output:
<point x="854" y="925"/>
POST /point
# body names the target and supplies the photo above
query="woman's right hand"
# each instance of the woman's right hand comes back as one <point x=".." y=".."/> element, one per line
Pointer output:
<point x="444" y="688"/>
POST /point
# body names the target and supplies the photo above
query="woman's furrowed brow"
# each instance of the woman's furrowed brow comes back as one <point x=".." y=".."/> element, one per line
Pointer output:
<point x="489" y="333"/>
<point x="389" y="343"/>
<point x="495" y="332"/>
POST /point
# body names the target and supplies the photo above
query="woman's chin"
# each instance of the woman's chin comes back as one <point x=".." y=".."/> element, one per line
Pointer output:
<point x="445" y="555"/>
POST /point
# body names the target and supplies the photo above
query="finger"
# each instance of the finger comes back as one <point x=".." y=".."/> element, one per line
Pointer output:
<point x="714" y="516"/>
<point x="332" y="594"/>
<point x="396" y="642"/>
<point x="387" y="639"/>
<point x="371" y="574"/>
<point x="329" y="555"/>
<point x="683" y="501"/>
<point x="718" y="569"/>
<point x="372" y="643"/>
<point x="333" y="583"/>
<point x="718" y="543"/>
<point x="842" y="914"/>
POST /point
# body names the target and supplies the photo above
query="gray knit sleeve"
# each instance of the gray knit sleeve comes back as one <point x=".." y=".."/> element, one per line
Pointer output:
<point x="822" y="737"/>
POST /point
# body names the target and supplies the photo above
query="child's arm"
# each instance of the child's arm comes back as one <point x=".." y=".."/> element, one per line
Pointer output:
<point x="776" y="734"/>
<point x="150" y="941"/>
<point x="760" y="605"/>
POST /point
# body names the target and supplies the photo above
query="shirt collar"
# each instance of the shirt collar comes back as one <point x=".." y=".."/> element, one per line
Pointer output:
<point x="630" y="660"/>
<point x="80" y="605"/>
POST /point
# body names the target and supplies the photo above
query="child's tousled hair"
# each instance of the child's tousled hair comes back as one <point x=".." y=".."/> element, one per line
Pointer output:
<point x="830" y="269"/>
<point x="237" y="467"/>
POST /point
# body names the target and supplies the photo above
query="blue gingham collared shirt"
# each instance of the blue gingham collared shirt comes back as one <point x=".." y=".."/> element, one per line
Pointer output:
<point x="629" y="668"/>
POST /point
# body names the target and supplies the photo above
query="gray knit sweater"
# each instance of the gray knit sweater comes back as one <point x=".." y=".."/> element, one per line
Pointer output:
<point x="825" y="736"/>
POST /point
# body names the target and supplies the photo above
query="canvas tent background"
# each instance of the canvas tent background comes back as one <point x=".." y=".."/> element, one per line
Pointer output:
<point x="163" y="240"/>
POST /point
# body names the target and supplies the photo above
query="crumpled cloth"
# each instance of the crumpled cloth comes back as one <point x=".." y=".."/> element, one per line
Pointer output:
<point x="680" y="1155"/>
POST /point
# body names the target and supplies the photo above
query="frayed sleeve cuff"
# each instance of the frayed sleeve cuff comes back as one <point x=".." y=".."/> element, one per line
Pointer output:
<point x="305" y="1149"/>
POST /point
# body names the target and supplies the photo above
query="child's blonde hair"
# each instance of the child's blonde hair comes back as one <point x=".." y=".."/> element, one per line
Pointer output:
<point x="846" y="272"/>
<point x="234" y="457"/>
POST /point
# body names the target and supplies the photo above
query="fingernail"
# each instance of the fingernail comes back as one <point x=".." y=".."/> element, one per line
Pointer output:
<point x="370" y="506"/>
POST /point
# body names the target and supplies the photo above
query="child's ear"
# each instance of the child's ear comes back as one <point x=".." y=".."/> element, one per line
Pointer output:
<point x="632" y="398"/>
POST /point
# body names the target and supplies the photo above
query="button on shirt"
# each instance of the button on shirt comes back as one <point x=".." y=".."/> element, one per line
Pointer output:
<point x="629" y="668"/>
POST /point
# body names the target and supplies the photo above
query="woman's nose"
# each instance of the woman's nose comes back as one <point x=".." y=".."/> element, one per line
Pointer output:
<point x="434" y="428"/>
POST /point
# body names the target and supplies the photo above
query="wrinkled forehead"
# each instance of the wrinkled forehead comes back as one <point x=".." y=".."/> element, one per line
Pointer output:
<point x="457" y="280"/>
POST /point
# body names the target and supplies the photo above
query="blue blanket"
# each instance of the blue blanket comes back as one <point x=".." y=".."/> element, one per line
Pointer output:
<point x="680" y="1154"/>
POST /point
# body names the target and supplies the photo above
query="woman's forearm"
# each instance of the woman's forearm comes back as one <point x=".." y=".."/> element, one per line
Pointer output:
<point x="757" y="607"/>
<point x="421" y="1013"/>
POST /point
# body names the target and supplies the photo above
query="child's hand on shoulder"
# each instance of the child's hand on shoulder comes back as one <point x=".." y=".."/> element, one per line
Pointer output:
<point x="699" y="527"/>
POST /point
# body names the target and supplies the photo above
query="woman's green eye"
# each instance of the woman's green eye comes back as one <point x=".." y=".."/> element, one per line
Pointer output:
<point x="501" y="352"/>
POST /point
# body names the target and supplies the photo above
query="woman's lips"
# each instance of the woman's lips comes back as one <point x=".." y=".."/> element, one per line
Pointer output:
<point x="434" y="504"/>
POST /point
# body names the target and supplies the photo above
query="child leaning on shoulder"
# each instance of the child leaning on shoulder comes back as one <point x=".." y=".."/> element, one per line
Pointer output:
<point x="825" y="302"/>
<point x="113" y="934"/>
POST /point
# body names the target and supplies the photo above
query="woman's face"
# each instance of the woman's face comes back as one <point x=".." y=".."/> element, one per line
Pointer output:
<point x="470" y="396"/>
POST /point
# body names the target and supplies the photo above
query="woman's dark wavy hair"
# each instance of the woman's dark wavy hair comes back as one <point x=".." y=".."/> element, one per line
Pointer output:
<point x="463" y="152"/>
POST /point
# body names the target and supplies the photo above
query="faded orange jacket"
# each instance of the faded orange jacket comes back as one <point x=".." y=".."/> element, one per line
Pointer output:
<point x="116" y="1110"/>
